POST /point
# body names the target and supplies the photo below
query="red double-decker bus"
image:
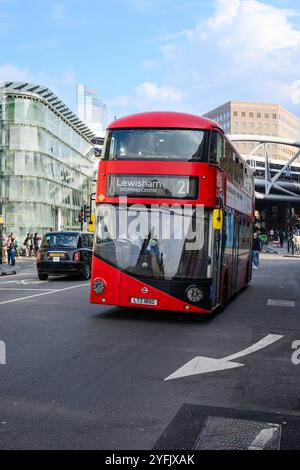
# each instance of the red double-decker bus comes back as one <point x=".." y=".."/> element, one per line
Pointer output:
<point x="174" y="215"/>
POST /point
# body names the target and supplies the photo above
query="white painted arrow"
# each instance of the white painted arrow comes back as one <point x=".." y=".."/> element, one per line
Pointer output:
<point x="202" y="365"/>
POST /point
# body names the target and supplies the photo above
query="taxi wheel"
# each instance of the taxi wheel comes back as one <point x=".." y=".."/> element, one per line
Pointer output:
<point x="43" y="277"/>
<point x="86" y="274"/>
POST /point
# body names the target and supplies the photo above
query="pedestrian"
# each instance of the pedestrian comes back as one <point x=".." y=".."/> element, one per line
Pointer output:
<point x="296" y="240"/>
<point x="11" y="252"/>
<point x="281" y="238"/>
<point x="27" y="245"/>
<point x="31" y="246"/>
<point x="255" y="251"/>
<point x="290" y="242"/>
<point x="36" y="242"/>
<point x="4" y="242"/>
<point x="17" y="247"/>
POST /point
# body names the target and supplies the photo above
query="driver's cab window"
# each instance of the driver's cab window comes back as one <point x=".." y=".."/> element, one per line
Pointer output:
<point x="216" y="147"/>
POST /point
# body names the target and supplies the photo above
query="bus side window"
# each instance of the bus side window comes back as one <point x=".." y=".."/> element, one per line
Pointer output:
<point x="227" y="162"/>
<point x="215" y="154"/>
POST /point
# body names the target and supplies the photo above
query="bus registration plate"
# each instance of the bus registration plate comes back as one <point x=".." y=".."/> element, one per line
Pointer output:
<point x="141" y="301"/>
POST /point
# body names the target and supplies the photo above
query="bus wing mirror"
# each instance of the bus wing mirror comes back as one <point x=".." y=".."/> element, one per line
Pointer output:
<point x="217" y="219"/>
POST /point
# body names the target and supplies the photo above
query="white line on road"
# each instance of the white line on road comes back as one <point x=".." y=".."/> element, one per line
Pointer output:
<point x="20" y="289"/>
<point x="281" y="303"/>
<point x="202" y="365"/>
<point x="44" y="293"/>
<point x="263" y="343"/>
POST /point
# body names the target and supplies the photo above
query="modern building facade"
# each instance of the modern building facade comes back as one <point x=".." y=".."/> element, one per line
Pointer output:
<point x="276" y="170"/>
<point x="91" y="110"/>
<point x="242" y="117"/>
<point x="47" y="164"/>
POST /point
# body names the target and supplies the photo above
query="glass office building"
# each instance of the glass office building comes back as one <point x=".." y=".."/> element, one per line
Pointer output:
<point x="47" y="163"/>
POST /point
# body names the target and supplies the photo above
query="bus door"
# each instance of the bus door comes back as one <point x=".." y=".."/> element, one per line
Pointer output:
<point x="235" y="255"/>
<point x="217" y="256"/>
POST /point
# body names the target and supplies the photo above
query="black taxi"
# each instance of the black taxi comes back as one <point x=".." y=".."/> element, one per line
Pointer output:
<point x="65" y="253"/>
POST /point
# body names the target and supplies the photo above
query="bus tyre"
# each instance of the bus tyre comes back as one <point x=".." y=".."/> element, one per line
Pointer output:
<point x="43" y="277"/>
<point x="86" y="273"/>
<point x="224" y="295"/>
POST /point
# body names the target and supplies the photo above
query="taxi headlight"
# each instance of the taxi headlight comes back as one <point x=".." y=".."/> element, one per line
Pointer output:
<point x="194" y="294"/>
<point x="99" y="286"/>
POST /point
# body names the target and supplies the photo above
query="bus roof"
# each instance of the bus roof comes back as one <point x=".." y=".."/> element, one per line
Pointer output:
<point x="164" y="119"/>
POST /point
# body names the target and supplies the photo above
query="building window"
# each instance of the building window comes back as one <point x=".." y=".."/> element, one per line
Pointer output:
<point x="274" y="116"/>
<point x="243" y="114"/>
<point x="251" y="115"/>
<point x="258" y="115"/>
<point x="235" y="113"/>
<point x="267" y="115"/>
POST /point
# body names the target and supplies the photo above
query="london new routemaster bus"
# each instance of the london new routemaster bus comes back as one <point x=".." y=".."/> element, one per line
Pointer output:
<point x="174" y="215"/>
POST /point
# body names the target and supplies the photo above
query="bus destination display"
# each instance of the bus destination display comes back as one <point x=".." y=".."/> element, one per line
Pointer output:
<point x="152" y="186"/>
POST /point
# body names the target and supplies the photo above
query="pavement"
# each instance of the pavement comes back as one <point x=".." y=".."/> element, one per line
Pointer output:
<point x="82" y="376"/>
<point x="270" y="248"/>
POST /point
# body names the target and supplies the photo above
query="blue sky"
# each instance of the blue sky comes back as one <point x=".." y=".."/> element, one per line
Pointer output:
<point x="187" y="55"/>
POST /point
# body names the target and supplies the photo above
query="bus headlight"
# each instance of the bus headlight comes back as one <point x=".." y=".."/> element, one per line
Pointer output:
<point x="99" y="286"/>
<point x="194" y="294"/>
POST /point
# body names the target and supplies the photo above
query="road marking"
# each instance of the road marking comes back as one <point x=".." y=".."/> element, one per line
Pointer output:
<point x="202" y="365"/>
<point x="26" y="282"/>
<point x="2" y="353"/>
<point x="21" y="289"/>
<point x="43" y="293"/>
<point x="263" y="343"/>
<point x="281" y="303"/>
<point x="263" y="437"/>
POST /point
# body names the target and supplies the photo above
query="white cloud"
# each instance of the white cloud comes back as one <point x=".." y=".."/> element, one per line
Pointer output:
<point x="58" y="11"/>
<point x="63" y="86"/>
<point x="248" y="50"/>
<point x="295" y="92"/>
<point x="226" y="11"/>
<point x="9" y="72"/>
<point x="160" y="94"/>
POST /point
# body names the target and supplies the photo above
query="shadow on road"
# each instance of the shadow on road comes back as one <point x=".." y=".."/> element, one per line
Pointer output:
<point x="162" y="316"/>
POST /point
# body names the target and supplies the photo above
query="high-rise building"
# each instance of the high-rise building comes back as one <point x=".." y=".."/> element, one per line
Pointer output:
<point x="47" y="162"/>
<point x="91" y="110"/>
<point x="242" y="117"/>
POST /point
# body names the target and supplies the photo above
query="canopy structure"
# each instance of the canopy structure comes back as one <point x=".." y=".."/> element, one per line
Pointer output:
<point x="290" y="189"/>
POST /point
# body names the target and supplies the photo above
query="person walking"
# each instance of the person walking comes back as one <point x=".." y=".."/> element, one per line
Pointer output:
<point x="255" y="251"/>
<point x="4" y="242"/>
<point x="11" y="252"/>
<point x="36" y="242"/>
<point x="17" y="247"/>
<point x="297" y="243"/>
<point x="290" y="242"/>
<point x="27" y="245"/>
<point x="281" y="238"/>
<point x="31" y="245"/>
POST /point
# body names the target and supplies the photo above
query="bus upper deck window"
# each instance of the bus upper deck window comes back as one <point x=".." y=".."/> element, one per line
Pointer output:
<point x="215" y="153"/>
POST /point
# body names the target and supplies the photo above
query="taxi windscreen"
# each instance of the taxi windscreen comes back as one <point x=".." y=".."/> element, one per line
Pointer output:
<point x="60" y="240"/>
